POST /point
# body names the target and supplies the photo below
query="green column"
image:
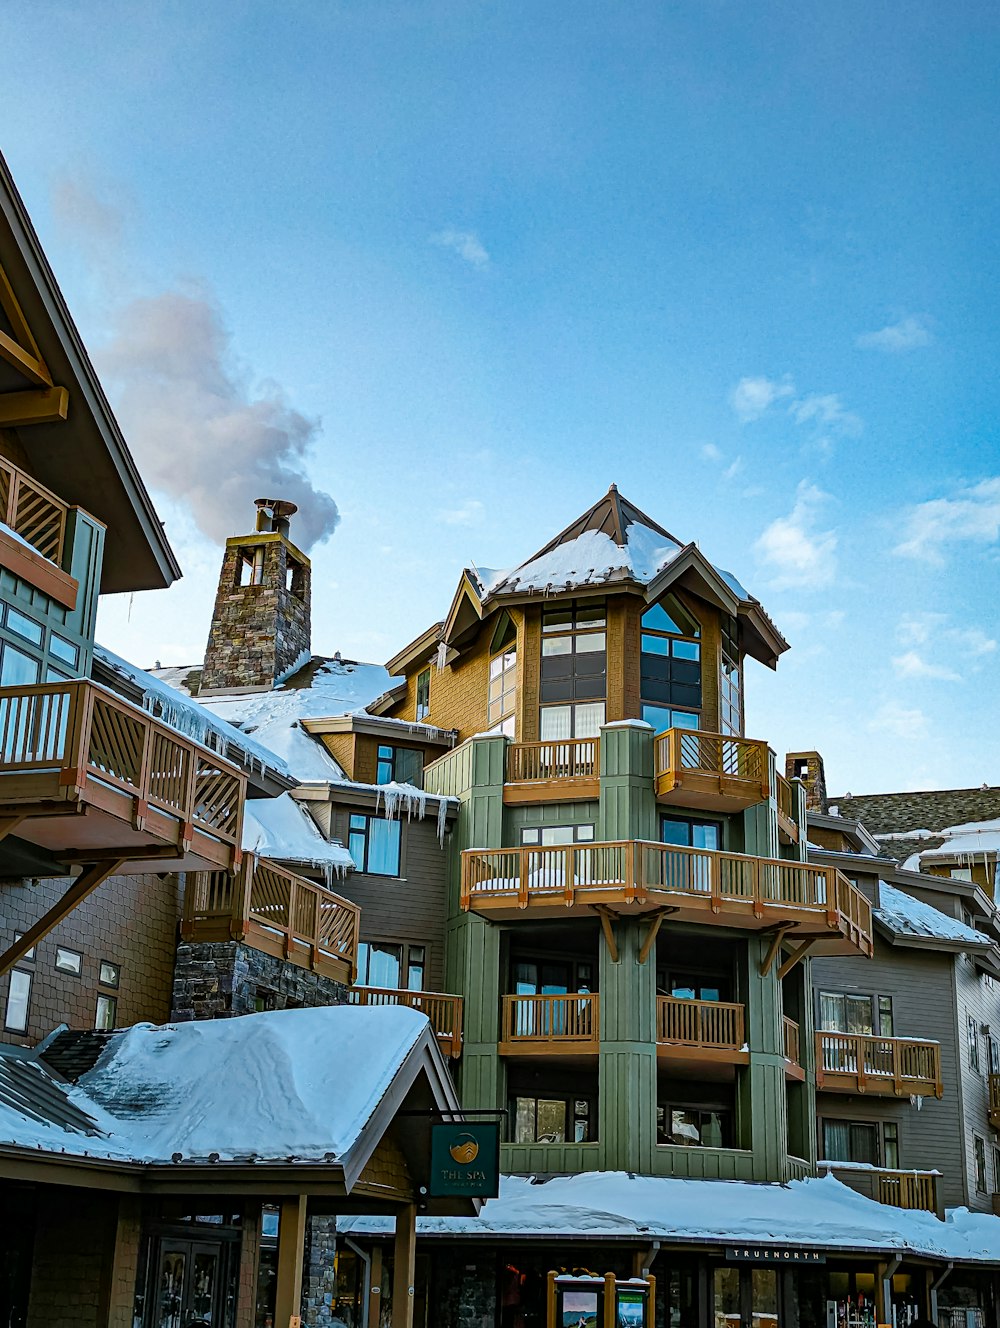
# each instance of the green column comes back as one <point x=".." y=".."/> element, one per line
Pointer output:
<point x="762" y="1117"/>
<point x="627" y="1095"/>
<point x="628" y="798"/>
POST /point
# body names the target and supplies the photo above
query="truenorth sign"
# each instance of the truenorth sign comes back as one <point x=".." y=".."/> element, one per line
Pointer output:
<point x="773" y="1254"/>
<point x="465" y="1160"/>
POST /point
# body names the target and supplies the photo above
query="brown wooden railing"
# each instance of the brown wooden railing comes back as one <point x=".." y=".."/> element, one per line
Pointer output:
<point x="444" y="1012"/>
<point x="858" y="1062"/>
<point x="573" y="758"/>
<point x="551" y="1020"/>
<point x="570" y="873"/>
<point x="276" y="911"/>
<point x="731" y="761"/>
<point x="74" y="739"/>
<point x="907" y="1189"/>
<point x="793" y="1048"/>
<point x="787" y="802"/>
<point x="32" y="511"/>
<point x="710" y="1024"/>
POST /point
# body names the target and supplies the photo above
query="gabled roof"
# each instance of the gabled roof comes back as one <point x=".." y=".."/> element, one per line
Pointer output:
<point x="611" y="515"/>
<point x="82" y="457"/>
<point x="930" y="811"/>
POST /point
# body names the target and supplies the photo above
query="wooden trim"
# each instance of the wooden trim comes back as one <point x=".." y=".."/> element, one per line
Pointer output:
<point x="550" y="1025"/>
<point x="797" y="955"/>
<point x="883" y="1066"/>
<point x="774" y="947"/>
<point x="701" y="1030"/>
<point x="84" y="885"/>
<point x="607" y="927"/>
<point x="38" y="571"/>
<point x="656" y="921"/>
<point x="714" y="771"/>
<point x="44" y="405"/>
<point x="291" y="1259"/>
<point x="404" y="1252"/>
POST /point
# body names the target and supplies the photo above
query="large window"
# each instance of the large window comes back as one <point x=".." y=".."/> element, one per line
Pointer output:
<point x="399" y="765"/>
<point x="573" y="670"/>
<point x="373" y="843"/>
<point x="546" y="835"/>
<point x="730" y="680"/>
<point x="391" y="964"/>
<point x="689" y="832"/>
<point x="18" y="1001"/>
<point x="694" y="1127"/>
<point x="551" y="1120"/>
<point x="423" y="694"/>
<point x="670" y="659"/>
<point x="851" y="1141"/>
<point x="979" y="1153"/>
<point x="503" y="690"/>
<point x="844" y="1012"/>
<point x="663" y="717"/>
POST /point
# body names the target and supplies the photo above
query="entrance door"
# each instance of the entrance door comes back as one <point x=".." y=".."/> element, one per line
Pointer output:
<point x="746" y="1298"/>
<point x="188" y="1284"/>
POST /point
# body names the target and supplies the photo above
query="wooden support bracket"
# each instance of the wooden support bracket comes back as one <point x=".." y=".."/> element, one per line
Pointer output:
<point x="607" y="917"/>
<point x="772" y="952"/>
<point x="8" y="824"/>
<point x="654" y="926"/>
<point x="43" y="405"/>
<point x="797" y="954"/>
<point x="85" y="884"/>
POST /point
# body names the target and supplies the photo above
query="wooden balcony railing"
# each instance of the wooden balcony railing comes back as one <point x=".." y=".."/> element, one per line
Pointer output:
<point x="699" y="884"/>
<point x="787" y="809"/>
<point x="444" y="1012"/>
<point x="32" y="511"/>
<point x="547" y="771"/>
<point x="907" y="1189"/>
<point x="711" y="770"/>
<point x="273" y="910"/>
<point x="793" y="1051"/>
<point x="863" y="1063"/>
<point x="549" y="1024"/>
<point x="994" y="1091"/>
<point x="684" y="1027"/>
<point x="83" y="771"/>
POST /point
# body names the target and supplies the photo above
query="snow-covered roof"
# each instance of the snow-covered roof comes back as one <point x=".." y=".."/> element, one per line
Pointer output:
<point x="321" y="689"/>
<point x="906" y="916"/>
<point x="593" y="558"/>
<point x="198" y="1088"/>
<point x="818" y="1212"/>
<point x="282" y="828"/>
<point x="179" y="711"/>
<point x="973" y="839"/>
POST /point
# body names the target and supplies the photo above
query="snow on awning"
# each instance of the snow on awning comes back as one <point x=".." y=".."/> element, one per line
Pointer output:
<point x="193" y="1090"/>
<point x="282" y="829"/>
<point x="821" y="1213"/>
<point x="907" y="916"/>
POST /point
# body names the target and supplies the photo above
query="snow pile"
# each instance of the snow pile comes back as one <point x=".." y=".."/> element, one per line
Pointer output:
<point x="594" y="557"/>
<point x="902" y="913"/>
<point x="975" y="839"/>
<point x="206" y="1087"/>
<point x="817" y="1212"/>
<point x="282" y="829"/>
<point x="185" y="715"/>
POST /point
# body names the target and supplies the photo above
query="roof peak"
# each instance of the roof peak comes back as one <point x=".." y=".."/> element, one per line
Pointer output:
<point x="611" y="515"/>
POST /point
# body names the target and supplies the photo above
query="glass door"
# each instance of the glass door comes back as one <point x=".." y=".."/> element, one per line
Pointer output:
<point x="188" y="1285"/>
<point x="745" y="1298"/>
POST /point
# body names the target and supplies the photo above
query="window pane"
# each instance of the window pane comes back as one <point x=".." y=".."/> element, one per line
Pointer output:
<point x="384" y="964"/>
<point x="589" y="718"/>
<point x="409" y="766"/>
<point x="589" y="641"/>
<point x="362" y="963"/>
<point x="18" y="996"/>
<point x="684" y="1128"/>
<point x="68" y="961"/>
<point x="727" y="1297"/>
<point x="110" y="974"/>
<point x="415" y="968"/>
<point x="684" y="719"/>
<point x="64" y="650"/>
<point x="551" y="1121"/>
<point x="524" y="1120"/>
<point x="705" y="836"/>
<point x="383" y="772"/>
<point x="383" y="847"/>
<point x="24" y="626"/>
<point x="831" y="1013"/>
<point x="107" y="1012"/>
<point x="836" y="1141"/>
<point x="656" y="645"/>
<point x="675" y="832"/>
<point x="356" y="848"/>
<point x="18" y="669"/>
<point x="859" y="1014"/>
<point x="657" y="716"/>
<point x="890" y="1138"/>
<point x="554" y="620"/>
<point x="885" y="1016"/>
<point x="686" y="650"/>
<point x="557" y="834"/>
<point x="657" y="619"/>
<point x="557" y="645"/>
<point x="556" y="723"/>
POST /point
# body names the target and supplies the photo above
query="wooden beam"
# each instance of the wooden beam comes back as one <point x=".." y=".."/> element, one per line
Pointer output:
<point x="42" y="405"/>
<point x="84" y="885"/>
<point x="403" y="1267"/>
<point x="797" y="954"/>
<point x="607" y="918"/>
<point x="774" y="947"/>
<point x="8" y="824"/>
<point x="654" y="927"/>
<point x="374" y="1316"/>
<point x="32" y="369"/>
<point x="291" y="1258"/>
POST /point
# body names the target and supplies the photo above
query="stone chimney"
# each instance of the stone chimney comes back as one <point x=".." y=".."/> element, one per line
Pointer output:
<point x="260" y="624"/>
<point x="808" y="766"/>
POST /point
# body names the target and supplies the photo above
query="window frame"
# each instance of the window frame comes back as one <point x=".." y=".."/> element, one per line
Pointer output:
<point x="571" y="708"/>
<point x="392" y="760"/>
<point x="979" y="1163"/>
<point x="573" y="1116"/>
<point x="422" y="706"/>
<point x="502" y="712"/>
<point x="106" y="1002"/>
<point x="364" y="832"/>
<point x="853" y="1122"/>
<point x="29" y="981"/>
<point x="972" y="1034"/>
<point x="582" y="833"/>
<point x="691" y="822"/>
<point x="114" y="983"/>
<point x="725" y="1113"/>
<point x="68" y="969"/>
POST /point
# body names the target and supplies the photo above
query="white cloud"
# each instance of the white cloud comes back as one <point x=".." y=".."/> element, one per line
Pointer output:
<point x="466" y="515"/>
<point x="899" y="721"/>
<point x="970" y="515"/>
<point x="794" y="550"/>
<point x="921" y="628"/>
<point x="466" y="244"/>
<point x="909" y="333"/>
<point x="751" y="397"/>
<point x="827" y="411"/>
<point x="710" y="452"/>
<point x="912" y="665"/>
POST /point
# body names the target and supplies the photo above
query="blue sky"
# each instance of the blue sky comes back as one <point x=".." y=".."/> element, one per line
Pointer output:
<point x="467" y="263"/>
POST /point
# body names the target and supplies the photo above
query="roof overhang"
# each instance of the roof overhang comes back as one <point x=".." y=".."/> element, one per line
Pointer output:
<point x="374" y="726"/>
<point x="84" y="459"/>
<point x="370" y="797"/>
<point x="417" y="652"/>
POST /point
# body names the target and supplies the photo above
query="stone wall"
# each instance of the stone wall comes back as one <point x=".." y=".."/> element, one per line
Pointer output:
<point x="225" y="978"/>
<point x="258" y="630"/>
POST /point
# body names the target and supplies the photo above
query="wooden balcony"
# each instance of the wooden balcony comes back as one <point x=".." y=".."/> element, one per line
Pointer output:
<point x="273" y="910"/>
<point x="88" y="776"/>
<point x="898" y="1189"/>
<point x="553" y="771"/>
<point x="817" y="904"/>
<point x="38" y="517"/>
<point x="887" y="1067"/>
<point x="444" y="1012"/>
<point x="550" y="1025"/>
<point x="700" y="1031"/>
<point x="793" y="1049"/>
<point x="995" y="1102"/>
<point x="710" y="771"/>
<point x="788" y="826"/>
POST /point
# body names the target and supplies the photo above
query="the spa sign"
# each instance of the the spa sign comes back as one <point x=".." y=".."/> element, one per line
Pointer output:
<point x="465" y="1160"/>
<point x="773" y="1254"/>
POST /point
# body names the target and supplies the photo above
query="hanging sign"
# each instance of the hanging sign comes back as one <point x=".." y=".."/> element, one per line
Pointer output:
<point x="773" y="1254"/>
<point x="465" y="1160"/>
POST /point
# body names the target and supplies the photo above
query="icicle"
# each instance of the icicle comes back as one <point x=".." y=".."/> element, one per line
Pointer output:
<point x="442" y="656"/>
<point x="442" y="822"/>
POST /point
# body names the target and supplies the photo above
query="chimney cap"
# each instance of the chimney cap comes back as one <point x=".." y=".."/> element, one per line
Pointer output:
<point x="278" y="507"/>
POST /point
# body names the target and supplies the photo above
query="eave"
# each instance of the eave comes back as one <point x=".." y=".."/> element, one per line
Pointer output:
<point x="373" y="726"/>
<point x="417" y="651"/>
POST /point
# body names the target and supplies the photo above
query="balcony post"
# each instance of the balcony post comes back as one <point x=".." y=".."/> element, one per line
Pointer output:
<point x="627" y="807"/>
<point x="626" y="1124"/>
